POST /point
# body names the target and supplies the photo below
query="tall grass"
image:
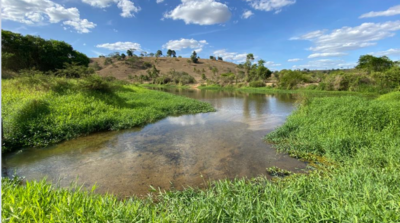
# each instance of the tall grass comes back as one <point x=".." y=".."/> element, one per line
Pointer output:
<point x="40" y="110"/>
<point x="356" y="180"/>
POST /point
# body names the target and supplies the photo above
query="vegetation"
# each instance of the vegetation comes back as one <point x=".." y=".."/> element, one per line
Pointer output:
<point x="39" y="110"/>
<point x="31" y="52"/>
<point x="194" y="58"/>
<point x="351" y="142"/>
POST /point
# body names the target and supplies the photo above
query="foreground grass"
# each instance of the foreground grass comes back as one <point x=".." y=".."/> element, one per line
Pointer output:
<point x="41" y="110"/>
<point x="359" y="137"/>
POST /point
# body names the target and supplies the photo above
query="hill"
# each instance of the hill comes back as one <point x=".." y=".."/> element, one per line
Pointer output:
<point x="135" y="66"/>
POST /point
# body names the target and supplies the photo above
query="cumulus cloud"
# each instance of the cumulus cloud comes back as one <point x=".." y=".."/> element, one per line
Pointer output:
<point x="325" y="64"/>
<point x="350" y="38"/>
<point x="247" y="14"/>
<point x="272" y="64"/>
<point x="40" y="12"/>
<point x="395" y="10"/>
<point x="232" y="56"/>
<point x="270" y="5"/>
<point x="334" y="54"/>
<point x="185" y="43"/>
<point x="120" y="46"/>
<point x="387" y="52"/>
<point x="200" y="12"/>
<point x="80" y="25"/>
<point x="294" y="60"/>
<point x="128" y="8"/>
<point x="159" y="1"/>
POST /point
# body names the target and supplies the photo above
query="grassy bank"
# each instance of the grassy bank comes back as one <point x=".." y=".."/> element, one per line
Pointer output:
<point x="41" y="110"/>
<point x="265" y="90"/>
<point x="356" y="180"/>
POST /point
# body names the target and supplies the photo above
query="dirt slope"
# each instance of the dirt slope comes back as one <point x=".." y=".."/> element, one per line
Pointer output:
<point x="122" y="70"/>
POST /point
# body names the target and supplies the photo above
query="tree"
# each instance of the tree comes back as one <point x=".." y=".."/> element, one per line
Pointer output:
<point x="151" y="54"/>
<point x="212" y="58"/>
<point x="194" y="57"/>
<point x="173" y="53"/>
<point x="129" y="53"/>
<point x="169" y="53"/>
<point x="159" y="53"/>
<point x="371" y="63"/>
<point x="123" y="56"/>
<point x="220" y="59"/>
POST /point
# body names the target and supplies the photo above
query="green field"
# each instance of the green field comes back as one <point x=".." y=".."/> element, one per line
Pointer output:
<point x="352" y="144"/>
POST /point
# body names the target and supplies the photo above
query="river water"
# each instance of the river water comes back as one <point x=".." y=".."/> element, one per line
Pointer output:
<point x="173" y="153"/>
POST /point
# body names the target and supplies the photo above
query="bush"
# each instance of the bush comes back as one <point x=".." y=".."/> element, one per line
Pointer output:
<point x="74" y="71"/>
<point x="97" y="83"/>
<point x="108" y="61"/>
<point x="289" y="79"/>
<point x="257" y="84"/>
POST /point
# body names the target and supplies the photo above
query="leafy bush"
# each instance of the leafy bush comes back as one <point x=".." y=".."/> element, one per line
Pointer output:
<point x="74" y="71"/>
<point x="289" y="79"/>
<point x="257" y="84"/>
<point x="96" y="83"/>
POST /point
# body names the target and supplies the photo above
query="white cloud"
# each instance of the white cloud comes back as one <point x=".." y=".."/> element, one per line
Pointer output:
<point x="294" y="60"/>
<point x="185" y="43"/>
<point x="40" y="12"/>
<point x="270" y="5"/>
<point x="333" y="54"/>
<point x="81" y="25"/>
<point x="122" y="46"/>
<point x="200" y="12"/>
<point x="247" y="14"/>
<point x="236" y="57"/>
<point x="324" y="64"/>
<point x="350" y="38"/>
<point x="272" y="64"/>
<point x="159" y="1"/>
<point x="387" y="52"/>
<point x="395" y="10"/>
<point x="128" y="8"/>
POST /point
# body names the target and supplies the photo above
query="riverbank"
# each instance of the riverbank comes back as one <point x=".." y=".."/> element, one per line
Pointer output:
<point x="352" y="143"/>
<point x="278" y="90"/>
<point x="41" y="110"/>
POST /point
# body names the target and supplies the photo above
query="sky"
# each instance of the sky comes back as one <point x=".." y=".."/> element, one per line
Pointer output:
<point x="287" y="34"/>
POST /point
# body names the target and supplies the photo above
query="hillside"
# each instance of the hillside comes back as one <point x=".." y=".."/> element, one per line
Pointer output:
<point x="126" y="69"/>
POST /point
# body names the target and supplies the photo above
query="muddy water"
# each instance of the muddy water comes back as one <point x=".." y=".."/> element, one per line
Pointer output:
<point x="173" y="153"/>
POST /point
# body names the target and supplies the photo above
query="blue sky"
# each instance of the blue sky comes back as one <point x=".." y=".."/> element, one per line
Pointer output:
<point x="288" y="34"/>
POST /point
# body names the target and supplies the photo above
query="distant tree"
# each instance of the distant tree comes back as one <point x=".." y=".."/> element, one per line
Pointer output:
<point x="173" y="53"/>
<point x="247" y="64"/>
<point x="144" y="53"/>
<point x="220" y="59"/>
<point x="250" y="57"/>
<point x="203" y="76"/>
<point x="194" y="57"/>
<point x="129" y="53"/>
<point x="123" y="56"/>
<point x="212" y="58"/>
<point x="159" y="53"/>
<point x="169" y="53"/>
<point x="151" y="54"/>
<point x="372" y="63"/>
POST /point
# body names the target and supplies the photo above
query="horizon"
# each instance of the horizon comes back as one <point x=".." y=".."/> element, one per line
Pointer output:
<point x="287" y="34"/>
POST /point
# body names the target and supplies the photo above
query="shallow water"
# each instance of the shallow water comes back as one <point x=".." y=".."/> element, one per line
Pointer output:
<point x="173" y="153"/>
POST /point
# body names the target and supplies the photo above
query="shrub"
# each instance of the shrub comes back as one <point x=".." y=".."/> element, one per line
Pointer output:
<point x="97" y="83"/>
<point x="257" y="84"/>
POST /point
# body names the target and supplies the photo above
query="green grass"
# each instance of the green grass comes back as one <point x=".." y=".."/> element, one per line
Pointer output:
<point x="354" y="146"/>
<point x="42" y="110"/>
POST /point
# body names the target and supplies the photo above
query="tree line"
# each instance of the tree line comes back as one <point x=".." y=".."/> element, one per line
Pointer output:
<point x="32" y="52"/>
